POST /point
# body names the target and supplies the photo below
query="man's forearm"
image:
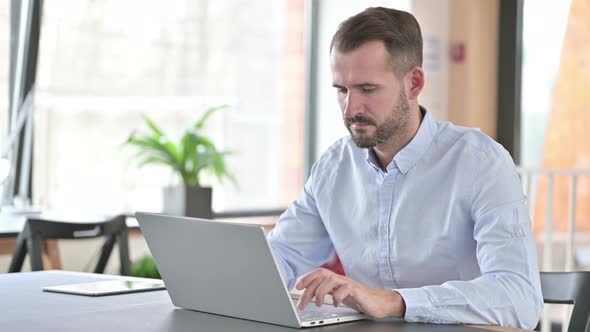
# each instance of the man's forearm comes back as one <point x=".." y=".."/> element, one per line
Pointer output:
<point x="503" y="299"/>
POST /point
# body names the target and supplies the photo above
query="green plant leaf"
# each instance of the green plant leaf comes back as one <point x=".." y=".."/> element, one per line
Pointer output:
<point x="153" y="160"/>
<point x="145" y="267"/>
<point x="201" y="122"/>
<point x="191" y="155"/>
<point x="190" y="158"/>
<point x="152" y="125"/>
<point x="151" y="146"/>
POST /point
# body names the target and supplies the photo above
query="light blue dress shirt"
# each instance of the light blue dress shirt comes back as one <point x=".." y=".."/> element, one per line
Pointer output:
<point x="446" y="226"/>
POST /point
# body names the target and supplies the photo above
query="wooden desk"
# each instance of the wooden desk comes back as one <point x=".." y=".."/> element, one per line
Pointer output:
<point x="25" y="307"/>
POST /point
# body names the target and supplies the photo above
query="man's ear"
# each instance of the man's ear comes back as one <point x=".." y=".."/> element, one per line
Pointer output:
<point x="414" y="83"/>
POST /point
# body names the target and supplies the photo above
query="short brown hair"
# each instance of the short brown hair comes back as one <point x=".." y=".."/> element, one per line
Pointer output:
<point x="398" y="30"/>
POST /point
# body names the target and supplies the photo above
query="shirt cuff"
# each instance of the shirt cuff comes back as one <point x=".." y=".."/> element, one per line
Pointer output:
<point x="418" y="305"/>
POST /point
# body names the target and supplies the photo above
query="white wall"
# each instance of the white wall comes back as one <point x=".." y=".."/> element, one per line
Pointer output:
<point x="434" y="19"/>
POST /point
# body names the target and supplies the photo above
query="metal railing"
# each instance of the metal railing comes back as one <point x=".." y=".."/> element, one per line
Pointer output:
<point x="529" y="176"/>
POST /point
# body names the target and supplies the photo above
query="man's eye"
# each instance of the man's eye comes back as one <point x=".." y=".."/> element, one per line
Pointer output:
<point x="342" y="90"/>
<point x="367" y="89"/>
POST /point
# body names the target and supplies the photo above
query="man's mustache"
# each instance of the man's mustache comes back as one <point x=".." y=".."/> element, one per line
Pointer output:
<point x="359" y="119"/>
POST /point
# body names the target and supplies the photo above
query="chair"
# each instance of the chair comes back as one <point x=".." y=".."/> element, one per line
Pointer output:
<point x="37" y="229"/>
<point x="569" y="288"/>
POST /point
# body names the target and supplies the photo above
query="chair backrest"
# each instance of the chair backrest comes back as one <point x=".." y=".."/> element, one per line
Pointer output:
<point x="38" y="229"/>
<point x="569" y="288"/>
<point x="59" y="229"/>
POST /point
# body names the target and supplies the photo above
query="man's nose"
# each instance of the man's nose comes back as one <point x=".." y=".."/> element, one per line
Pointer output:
<point x="352" y="105"/>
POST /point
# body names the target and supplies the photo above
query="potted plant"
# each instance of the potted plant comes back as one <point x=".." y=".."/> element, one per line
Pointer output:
<point x="145" y="267"/>
<point x="188" y="158"/>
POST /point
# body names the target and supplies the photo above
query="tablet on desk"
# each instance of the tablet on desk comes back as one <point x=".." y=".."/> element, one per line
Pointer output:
<point x="109" y="287"/>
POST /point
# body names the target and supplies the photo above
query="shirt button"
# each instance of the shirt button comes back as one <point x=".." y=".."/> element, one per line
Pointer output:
<point x="384" y="230"/>
<point x="386" y="276"/>
<point x="387" y="185"/>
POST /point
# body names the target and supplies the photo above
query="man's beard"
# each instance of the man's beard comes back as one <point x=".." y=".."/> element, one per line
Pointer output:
<point x="394" y="125"/>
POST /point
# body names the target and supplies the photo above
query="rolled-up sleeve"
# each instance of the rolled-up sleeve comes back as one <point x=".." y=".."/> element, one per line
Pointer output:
<point x="508" y="292"/>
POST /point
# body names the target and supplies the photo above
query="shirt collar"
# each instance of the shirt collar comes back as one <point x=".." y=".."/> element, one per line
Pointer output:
<point x="407" y="157"/>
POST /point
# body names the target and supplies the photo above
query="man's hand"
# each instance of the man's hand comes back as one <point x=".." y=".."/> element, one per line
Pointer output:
<point x="375" y="303"/>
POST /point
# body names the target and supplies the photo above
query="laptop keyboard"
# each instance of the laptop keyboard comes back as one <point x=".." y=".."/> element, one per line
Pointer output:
<point x="310" y="315"/>
<point x="313" y="313"/>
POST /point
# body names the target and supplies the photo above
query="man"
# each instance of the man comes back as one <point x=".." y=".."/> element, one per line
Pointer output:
<point x="427" y="218"/>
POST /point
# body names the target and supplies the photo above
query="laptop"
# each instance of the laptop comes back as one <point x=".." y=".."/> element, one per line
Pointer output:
<point x="227" y="269"/>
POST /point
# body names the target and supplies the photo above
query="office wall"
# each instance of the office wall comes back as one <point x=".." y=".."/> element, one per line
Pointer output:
<point x="434" y="18"/>
<point x="473" y="79"/>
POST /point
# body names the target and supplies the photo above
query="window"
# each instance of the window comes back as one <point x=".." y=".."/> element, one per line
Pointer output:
<point x="103" y="63"/>
<point x="4" y="77"/>
<point x="555" y="114"/>
<point x="4" y="65"/>
<point x="542" y="48"/>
